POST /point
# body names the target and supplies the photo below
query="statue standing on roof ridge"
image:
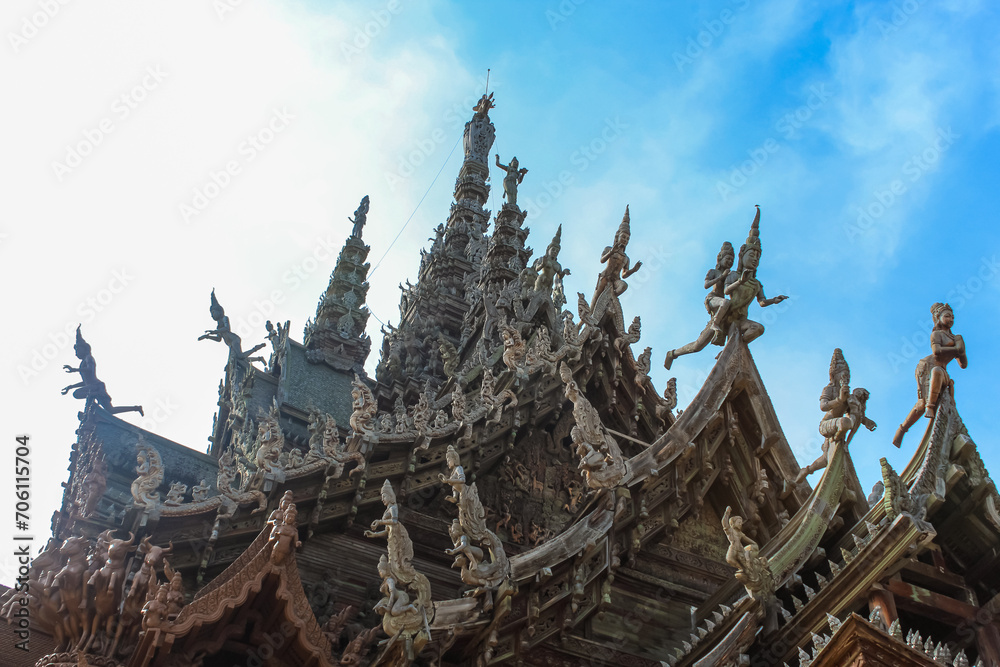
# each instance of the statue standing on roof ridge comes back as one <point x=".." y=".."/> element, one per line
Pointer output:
<point x="932" y="370"/>
<point x="223" y="333"/>
<point x="512" y="179"/>
<point x="741" y="287"/>
<point x="360" y="217"/>
<point x="90" y="388"/>
<point x="548" y="268"/>
<point x="845" y="412"/>
<point x="618" y="263"/>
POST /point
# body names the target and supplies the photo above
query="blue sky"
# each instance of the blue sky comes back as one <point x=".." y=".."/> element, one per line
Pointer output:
<point x="867" y="132"/>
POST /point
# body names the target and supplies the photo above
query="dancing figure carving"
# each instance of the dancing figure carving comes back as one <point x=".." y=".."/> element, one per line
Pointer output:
<point x="224" y="334"/>
<point x="90" y="388"/>
<point x="741" y="287"/>
<point x="618" y="263"/>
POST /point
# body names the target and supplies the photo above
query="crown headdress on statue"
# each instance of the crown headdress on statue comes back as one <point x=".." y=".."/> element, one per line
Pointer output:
<point x="557" y="239"/>
<point x="624" y="227"/>
<point x="753" y="238"/>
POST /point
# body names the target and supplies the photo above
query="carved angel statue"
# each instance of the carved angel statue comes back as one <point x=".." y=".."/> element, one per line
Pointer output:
<point x="175" y="496"/>
<point x="227" y="473"/>
<point x="422" y="414"/>
<point x="932" y="371"/>
<point x="284" y="538"/>
<point x="90" y="388"/>
<point x="154" y="612"/>
<point x="716" y="304"/>
<point x="325" y="443"/>
<point x="175" y="592"/>
<point x="406" y="619"/>
<point x="845" y="412"/>
<point x="449" y="357"/>
<point x="742" y="288"/>
<point x="617" y="270"/>
<point x="744" y="554"/>
<point x="360" y="217"/>
<point x="396" y="602"/>
<point x="223" y="333"/>
<point x="548" y="268"/>
<point x="600" y="457"/>
<point x="512" y="179"/>
<point x="150" y="469"/>
<point x="456" y="478"/>
<point x="458" y="403"/>
<point x="466" y="555"/>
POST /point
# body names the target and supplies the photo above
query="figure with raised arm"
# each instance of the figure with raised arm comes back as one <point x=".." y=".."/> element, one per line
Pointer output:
<point x="223" y="333"/>
<point x="512" y="179"/>
<point x="932" y="370"/>
<point x="90" y="388"/>
<point x="742" y="288"/>
<point x="548" y="268"/>
<point x="617" y="269"/>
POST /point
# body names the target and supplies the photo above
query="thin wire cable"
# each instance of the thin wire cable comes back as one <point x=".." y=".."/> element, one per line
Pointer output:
<point x="415" y="210"/>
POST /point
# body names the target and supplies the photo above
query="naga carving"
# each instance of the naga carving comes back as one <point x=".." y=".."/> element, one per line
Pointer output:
<point x="600" y="457"/>
<point x="407" y="593"/>
<point x="472" y="539"/>
<point x="897" y="499"/>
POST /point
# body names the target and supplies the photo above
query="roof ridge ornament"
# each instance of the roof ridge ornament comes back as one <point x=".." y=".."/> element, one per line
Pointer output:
<point x="618" y="263"/>
<point x="90" y="388"/>
<point x="731" y="293"/>
<point x="845" y="413"/>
